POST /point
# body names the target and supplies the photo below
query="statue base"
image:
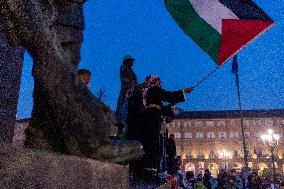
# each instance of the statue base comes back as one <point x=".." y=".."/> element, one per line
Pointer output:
<point x="31" y="168"/>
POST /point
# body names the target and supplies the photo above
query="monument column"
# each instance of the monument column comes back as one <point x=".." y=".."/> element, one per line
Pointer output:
<point x="11" y="63"/>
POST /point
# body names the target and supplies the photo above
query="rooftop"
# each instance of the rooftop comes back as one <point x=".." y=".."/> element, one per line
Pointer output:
<point x="230" y="114"/>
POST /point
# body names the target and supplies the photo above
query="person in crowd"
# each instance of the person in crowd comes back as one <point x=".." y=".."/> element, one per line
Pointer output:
<point x="179" y="176"/>
<point x="282" y="185"/>
<point x="171" y="153"/>
<point x="237" y="179"/>
<point x="199" y="184"/>
<point x="234" y="181"/>
<point x="121" y="135"/>
<point x="207" y="179"/>
<point x="128" y="79"/>
<point x="254" y="181"/>
<point x="189" y="180"/>
<point x="223" y="180"/>
<point x="85" y="75"/>
<point x="243" y="178"/>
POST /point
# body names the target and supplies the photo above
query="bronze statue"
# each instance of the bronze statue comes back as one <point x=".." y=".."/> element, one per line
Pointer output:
<point x="67" y="117"/>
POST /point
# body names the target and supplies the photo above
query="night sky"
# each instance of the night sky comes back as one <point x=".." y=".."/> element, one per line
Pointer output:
<point x="146" y="31"/>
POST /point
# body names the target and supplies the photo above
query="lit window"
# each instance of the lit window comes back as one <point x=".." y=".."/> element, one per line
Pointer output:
<point x="211" y="153"/>
<point x="269" y="122"/>
<point x="281" y="122"/>
<point x="246" y="122"/>
<point x="234" y="135"/>
<point x="210" y="123"/>
<point x="247" y="135"/>
<point x="199" y="135"/>
<point x="225" y="165"/>
<point x="198" y="123"/>
<point x="258" y="152"/>
<point x="260" y="122"/>
<point x="254" y="122"/>
<point x="176" y="124"/>
<point x="200" y="165"/>
<point x="187" y="135"/>
<point x="210" y="135"/>
<point x="188" y="152"/>
<point x="200" y="152"/>
<point x="258" y="136"/>
<point x="236" y="153"/>
<point x="223" y="135"/>
<point x="187" y="124"/>
<point x="178" y="151"/>
<point x="221" y="123"/>
<point x="177" y="135"/>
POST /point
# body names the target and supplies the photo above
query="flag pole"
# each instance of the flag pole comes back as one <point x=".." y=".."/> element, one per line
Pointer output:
<point x="235" y="61"/>
<point x="205" y="77"/>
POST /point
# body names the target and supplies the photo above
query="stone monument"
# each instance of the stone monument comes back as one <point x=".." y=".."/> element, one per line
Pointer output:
<point x="67" y="117"/>
<point x="11" y="61"/>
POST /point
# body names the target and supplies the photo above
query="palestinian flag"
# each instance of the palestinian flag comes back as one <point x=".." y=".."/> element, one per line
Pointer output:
<point x="220" y="27"/>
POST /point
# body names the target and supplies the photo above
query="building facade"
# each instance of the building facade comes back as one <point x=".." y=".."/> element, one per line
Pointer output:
<point x="213" y="140"/>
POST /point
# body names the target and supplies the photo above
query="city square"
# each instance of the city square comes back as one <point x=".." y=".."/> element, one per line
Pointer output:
<point x="141" y="94"/>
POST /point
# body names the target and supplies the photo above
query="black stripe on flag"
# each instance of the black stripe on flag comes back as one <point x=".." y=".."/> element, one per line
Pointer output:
<point x="246" y="9"/>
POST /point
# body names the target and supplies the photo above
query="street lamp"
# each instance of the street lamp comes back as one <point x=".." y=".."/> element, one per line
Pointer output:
<point x="271" y="140"/>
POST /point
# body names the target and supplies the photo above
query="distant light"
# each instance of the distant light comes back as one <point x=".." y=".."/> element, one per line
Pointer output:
<point x="276" y="136"/>
<point x="270" y="131"/>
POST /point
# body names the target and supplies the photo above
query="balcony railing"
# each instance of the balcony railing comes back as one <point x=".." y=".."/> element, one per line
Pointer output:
<point x="189" y="157"/>
<point x="200" y="156"/>
<point x="237" y="156"/>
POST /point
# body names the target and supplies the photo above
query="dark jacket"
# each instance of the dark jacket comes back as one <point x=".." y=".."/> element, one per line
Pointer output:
<point x="157" y="95"/>
<point x="171" y="148"/>
<point x="152" y="120"/>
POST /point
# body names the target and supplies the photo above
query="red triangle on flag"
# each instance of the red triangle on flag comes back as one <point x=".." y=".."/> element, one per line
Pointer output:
<point x="238" y="33"/>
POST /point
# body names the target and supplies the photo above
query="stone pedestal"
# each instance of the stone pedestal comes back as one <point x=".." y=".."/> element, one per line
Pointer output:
<point x="11" y="62"/>
<point x="26" y="168"/>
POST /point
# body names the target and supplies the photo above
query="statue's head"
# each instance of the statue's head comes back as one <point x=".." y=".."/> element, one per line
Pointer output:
<point x="66" y="21"/>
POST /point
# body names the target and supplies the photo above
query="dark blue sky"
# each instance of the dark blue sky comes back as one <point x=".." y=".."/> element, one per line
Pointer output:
<point x="145" y="30"/>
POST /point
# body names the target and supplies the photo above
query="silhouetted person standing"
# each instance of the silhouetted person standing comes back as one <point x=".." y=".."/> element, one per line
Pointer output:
<point x="153" y="97"/>
<point x="128" y="79"/>
<point x="171" y="153"/>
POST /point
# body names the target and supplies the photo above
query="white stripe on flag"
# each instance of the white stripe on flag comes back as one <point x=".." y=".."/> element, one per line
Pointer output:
<point x="212" y="11"/>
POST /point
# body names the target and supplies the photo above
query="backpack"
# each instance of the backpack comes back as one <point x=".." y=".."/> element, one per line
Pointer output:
<point x="199" y="185"/>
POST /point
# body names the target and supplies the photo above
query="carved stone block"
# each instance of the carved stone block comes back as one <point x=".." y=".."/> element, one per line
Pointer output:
<point x="24" y="168"/>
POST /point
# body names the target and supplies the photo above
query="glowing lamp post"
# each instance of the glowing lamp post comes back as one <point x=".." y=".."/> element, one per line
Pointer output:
<point x="271" y="140"/>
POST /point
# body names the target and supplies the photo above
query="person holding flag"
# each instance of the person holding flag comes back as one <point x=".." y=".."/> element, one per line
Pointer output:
<point x="153" y="96"/>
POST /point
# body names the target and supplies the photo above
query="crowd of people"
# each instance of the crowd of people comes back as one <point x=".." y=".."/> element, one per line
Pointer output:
<point x="225" y="180"/>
